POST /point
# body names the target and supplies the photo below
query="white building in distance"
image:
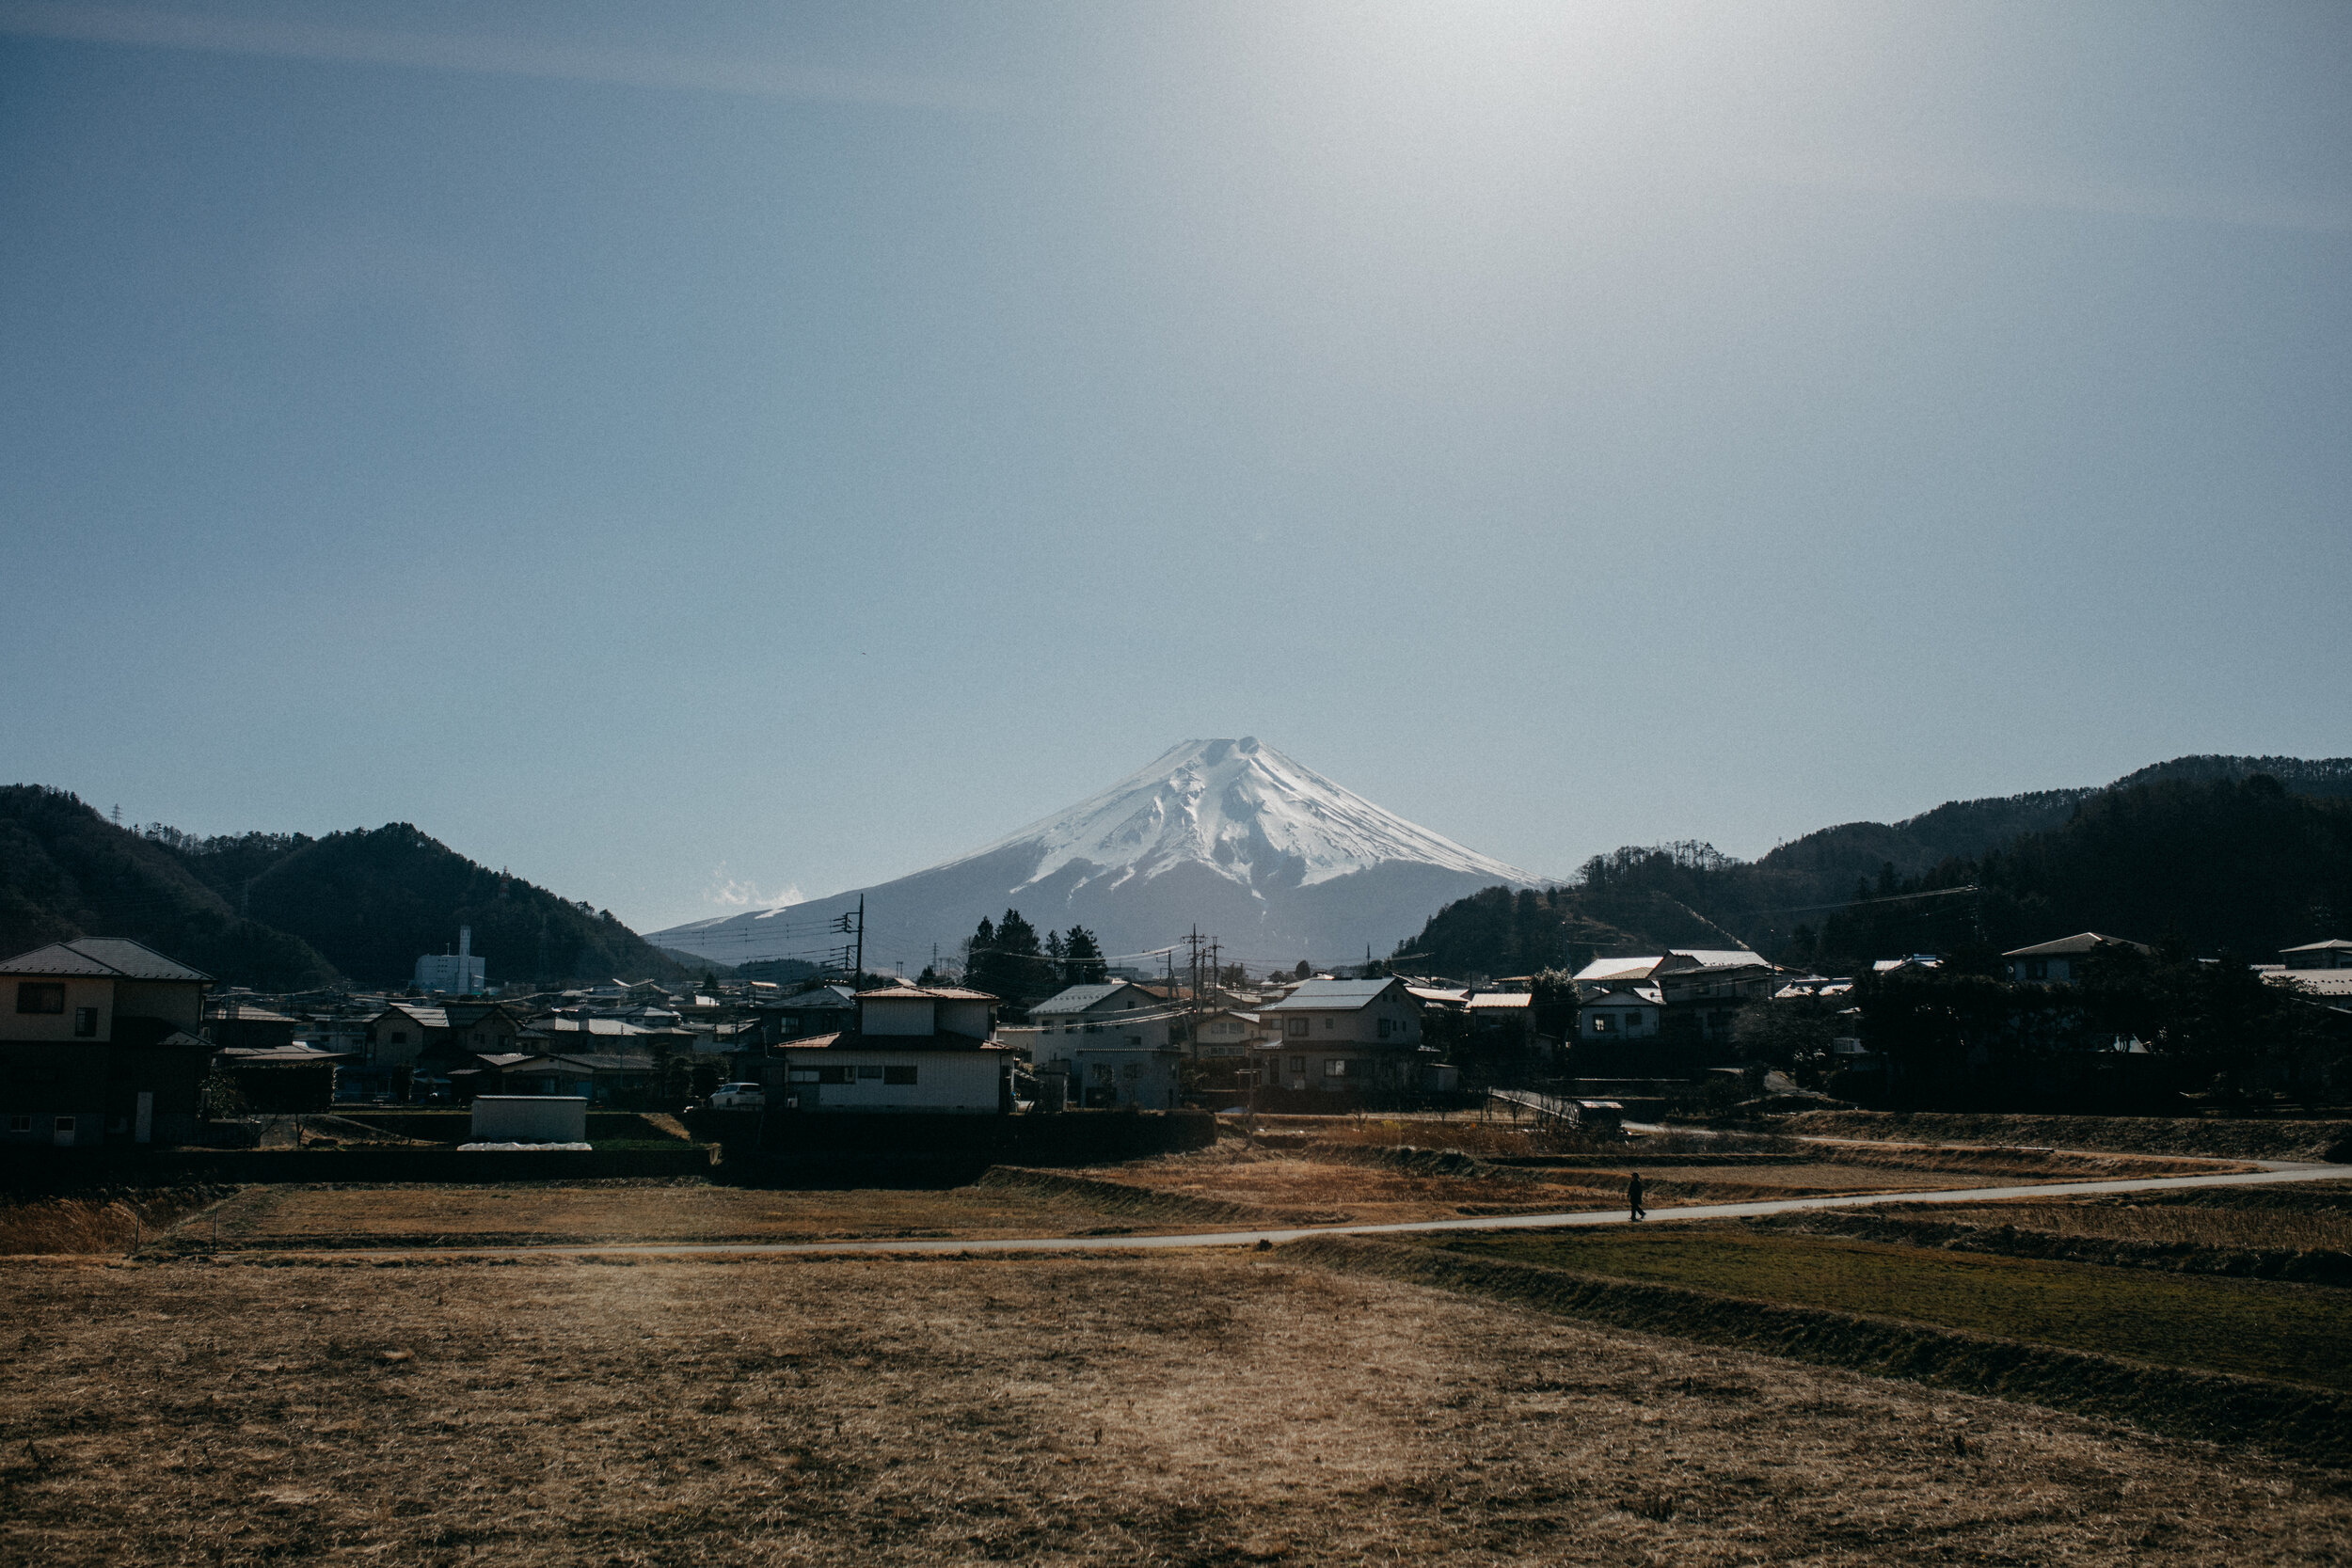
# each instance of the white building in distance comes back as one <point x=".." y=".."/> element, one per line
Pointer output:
<point x="458" y="973"/>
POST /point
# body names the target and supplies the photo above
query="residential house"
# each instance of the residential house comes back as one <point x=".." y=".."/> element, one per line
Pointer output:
<point x="238" y="1020"/>
<point x="101" y="1038"/>
<point x="2334" y="954"/>
<point x="928" y="1049"/>
<point x="401" y="1033"/>
<point x="2059" y="962"/>
<point x="282" y="1080"/>
<point x="821" y="1011"/>
<point x="1227" y="1032"/>
<point x="1619" y="1011"/>
<point x="1112" y="1044"/>
<point x="1641" y="971"/>
<point x="1344" y="1035"/>
<point x="597" y="1076"/>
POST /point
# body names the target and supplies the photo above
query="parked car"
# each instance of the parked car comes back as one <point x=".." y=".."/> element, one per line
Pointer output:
<point x="739" y="1097"/>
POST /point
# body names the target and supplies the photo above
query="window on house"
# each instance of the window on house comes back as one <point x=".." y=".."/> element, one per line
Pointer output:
<point x="1603" y="1023"/>
<point x="871" y="1070"/>
<point x="84" y="1023"/>
<point x="2036" y="969"/>
<point x="63" y="1124"/>
<point x="40" y="996"/>
<point x="1132" y="1069"/>
<point x="800" y="1076"/>
<point x="400" y="1036"/>
<point x="897" y="1076"/>
<point x="1329" y="1022"/>
<point x="1336" y="1068"/>
<point x="1298" y="1064"/>
<point x="1294" y="1028"/>
<point x="1385" y="1024"/>
<point x="20" y="1124"/>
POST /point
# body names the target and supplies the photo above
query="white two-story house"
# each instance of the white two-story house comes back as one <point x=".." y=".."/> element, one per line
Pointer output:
<point x="914" y="1048"/>
<point x="1113" y="1043"/>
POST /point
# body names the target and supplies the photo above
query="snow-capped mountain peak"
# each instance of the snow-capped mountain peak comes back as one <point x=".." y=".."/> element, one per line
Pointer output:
<point x="1243" y="809"/>
<point x="1227" y="837"/>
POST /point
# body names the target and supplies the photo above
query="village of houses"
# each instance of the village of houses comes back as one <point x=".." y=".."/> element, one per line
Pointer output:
<point x="110" y="1042"/>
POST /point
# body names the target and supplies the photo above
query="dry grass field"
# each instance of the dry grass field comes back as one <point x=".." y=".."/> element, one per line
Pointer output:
<point x="2248" y="1329"/>
<point x="1317" y="1187"/>
<point x="288" y="1217"/>
<point x="2250" y="1228"/>
<point x="1197" y="1409"/>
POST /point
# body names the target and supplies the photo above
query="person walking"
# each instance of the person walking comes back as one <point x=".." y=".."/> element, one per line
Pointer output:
<point x="1634" y="1196"/>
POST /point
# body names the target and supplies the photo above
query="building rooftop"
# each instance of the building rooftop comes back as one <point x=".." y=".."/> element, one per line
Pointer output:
<point x="933" y="993"/>
<point x="1077" y="999"/>
<point x="844" y="1041"/>
<point x="102" y="957"/>
<point x="1330" y="995"/>
<point x="2065" y="947"/>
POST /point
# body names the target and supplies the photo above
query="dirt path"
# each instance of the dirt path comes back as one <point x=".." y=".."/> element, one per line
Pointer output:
<point x="1483" y="1222"/>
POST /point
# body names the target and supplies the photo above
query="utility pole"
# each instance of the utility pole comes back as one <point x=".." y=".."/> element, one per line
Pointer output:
<point x="860" y="968"/>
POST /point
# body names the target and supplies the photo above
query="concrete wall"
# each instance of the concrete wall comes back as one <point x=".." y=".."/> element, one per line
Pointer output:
<point x="538" y="1118"/>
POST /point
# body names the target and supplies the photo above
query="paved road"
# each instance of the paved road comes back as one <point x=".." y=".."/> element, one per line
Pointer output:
<point x="1484" y="1222"/>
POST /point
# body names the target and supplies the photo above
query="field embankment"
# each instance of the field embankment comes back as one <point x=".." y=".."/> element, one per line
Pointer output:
<point x="99" y="1222"/>
<point x="2214" y="1138"/>
<point x="2311" y="1423"/>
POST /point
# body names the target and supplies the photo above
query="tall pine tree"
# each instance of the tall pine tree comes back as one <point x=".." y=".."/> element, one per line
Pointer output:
<point x="1082" y="959"/>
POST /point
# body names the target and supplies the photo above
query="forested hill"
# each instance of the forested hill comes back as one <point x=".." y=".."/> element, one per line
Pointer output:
<point x="288" y="911"/>
<point x="2042" y="855"/>
<point x="65" y="872"/>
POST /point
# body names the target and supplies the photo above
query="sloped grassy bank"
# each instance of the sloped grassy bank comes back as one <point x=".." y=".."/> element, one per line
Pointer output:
<point x="2211" y="1137"/>
<point x="2303" y="1422"/>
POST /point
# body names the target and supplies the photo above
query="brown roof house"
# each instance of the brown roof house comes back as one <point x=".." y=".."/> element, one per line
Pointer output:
<point x="101" y="1040"/>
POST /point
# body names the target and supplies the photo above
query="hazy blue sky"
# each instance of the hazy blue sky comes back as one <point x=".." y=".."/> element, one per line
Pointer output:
<point x="651" y="447"/>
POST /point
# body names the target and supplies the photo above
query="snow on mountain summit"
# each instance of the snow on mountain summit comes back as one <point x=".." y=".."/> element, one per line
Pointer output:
<point x="1230" y="837"/>
<point x="1245" y="810"/>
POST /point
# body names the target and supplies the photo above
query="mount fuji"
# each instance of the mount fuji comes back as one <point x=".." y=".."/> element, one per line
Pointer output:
<point x="1274" y="860"/>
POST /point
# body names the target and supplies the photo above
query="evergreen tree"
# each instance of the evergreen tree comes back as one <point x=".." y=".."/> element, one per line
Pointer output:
<point x="1082" y="959"/>
<point x="1008" y="962"/>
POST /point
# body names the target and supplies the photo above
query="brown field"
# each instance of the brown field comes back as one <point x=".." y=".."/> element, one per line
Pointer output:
<point x="2249" y="1228"/>
<point x="1205" y="1409"/>
<point x="288" y="1217"/>
<point x="1309" y="1188"/>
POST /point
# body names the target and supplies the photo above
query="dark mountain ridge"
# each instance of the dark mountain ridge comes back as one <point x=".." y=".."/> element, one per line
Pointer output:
<point x="1805" y="901"/>
<point x="288" y="911"/>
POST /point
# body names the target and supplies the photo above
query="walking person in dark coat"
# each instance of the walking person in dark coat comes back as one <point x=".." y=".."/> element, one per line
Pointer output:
<point x="1634" y="1196"/>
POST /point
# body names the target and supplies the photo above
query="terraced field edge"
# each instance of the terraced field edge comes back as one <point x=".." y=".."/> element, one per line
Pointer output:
<point x="2312" y="1425"/>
